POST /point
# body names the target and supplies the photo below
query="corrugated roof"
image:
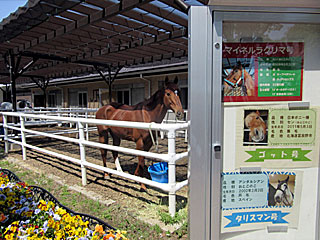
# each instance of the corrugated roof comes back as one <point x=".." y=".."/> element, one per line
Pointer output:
<point x="63" y="38"/>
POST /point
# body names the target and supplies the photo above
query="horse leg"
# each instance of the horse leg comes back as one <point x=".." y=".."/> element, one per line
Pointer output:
<point x="116" y="142"/>
<point x="141" y="145"/>
<point x="103" y="138"/>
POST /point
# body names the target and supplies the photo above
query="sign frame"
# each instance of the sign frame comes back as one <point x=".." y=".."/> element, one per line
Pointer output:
<point x="205" y="61"/>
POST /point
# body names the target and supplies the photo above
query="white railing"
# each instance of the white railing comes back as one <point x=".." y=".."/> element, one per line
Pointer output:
<point x="170" y="117"/>
<point x="69" y="112"/>
<point x="171" y="157"/>
<point x="60" y="112"/>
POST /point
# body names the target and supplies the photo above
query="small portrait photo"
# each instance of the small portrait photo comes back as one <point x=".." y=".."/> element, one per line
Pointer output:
<point x="255" y="131"/>
<point x="238" y="77"/>
<point x="281" y="190"/>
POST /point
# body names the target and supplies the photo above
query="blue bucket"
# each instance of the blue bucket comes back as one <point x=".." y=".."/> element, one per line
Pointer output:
<point x="159" y="172"/>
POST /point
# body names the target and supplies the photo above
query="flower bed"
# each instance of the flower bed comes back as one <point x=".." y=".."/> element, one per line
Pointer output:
<point x="31" y="212"/>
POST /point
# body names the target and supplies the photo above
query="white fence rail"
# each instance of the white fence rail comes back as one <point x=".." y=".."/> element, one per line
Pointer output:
<point x="60" y="112"/>
<point x="84" y="113"/>
<point x="171" y="156"/>
<point x="170" y="117"/>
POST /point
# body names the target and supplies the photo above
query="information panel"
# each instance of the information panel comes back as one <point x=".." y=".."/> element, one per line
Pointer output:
<point x="254" y="200"/>
<point x="277" y="137"/>
<point x="262" y="71"/>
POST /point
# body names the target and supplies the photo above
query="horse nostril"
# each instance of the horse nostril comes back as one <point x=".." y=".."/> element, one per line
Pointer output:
<point x="179" y="115"/>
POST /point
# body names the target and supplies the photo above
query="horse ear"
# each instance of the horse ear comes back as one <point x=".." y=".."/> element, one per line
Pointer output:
<point x="176" y="80"/>
<point x="287" y="179"/>
<point x="257" y="112"/>
<point x="166" y="81"/>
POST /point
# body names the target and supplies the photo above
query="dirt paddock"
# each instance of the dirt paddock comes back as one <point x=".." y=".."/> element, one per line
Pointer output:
<point x="123" y="191"/>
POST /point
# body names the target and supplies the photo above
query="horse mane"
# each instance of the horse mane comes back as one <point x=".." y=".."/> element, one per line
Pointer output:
<point x="149" y="103"/>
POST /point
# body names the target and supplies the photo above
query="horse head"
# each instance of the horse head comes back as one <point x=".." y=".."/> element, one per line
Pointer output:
<point x="257" y="126"/>
<point x="283" y="195"/>
<point x="235" y="76"/>
<point x="171" y="98"/>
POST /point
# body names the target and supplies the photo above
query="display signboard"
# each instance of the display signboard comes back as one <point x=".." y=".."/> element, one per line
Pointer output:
<point x="254" y="200"/>
<point x="277" y="137"/>
<point x="263" y="139"/>
<point x="262" y="71"/>
<point x="269" y="138"/>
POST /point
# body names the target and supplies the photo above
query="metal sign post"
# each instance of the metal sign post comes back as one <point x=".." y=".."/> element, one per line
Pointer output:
<point x="206" y="118"/>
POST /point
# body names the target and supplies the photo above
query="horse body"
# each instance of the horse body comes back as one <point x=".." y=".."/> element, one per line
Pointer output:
<point x="257" y="126"/>
<point x="151" y="110"/>
<point x="283" y="195"/>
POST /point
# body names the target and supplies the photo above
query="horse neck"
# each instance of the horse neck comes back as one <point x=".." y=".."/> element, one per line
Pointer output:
<point x="158" y="113"/>
<point x="288" y="197"/>
<point x="245" y="74"/>
<point x="154" y="107"/>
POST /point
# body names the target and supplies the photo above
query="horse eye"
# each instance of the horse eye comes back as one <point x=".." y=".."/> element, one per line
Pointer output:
<point x="168" y="94"/>
<point x="257" y="118"/>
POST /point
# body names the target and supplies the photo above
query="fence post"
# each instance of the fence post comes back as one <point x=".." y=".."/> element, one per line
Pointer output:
<point x="172" y="171"/>
<point x="186" y="130"/>
<point x="82" y="153"/>
<point x="5" y="129"/>
<point x="23" y="138"/>
<point x="87" y="127"/>
<point x="70" y="124"/>
<point x="60" y="123"/>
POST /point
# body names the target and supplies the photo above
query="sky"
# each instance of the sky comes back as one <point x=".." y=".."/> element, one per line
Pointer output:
<point x="9" y="6"/>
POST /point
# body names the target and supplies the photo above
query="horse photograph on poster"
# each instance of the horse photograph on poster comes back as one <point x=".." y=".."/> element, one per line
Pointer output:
<point x="255" y="127"/>
<point x="281" y="190"/>
<point x="238" y="77"/>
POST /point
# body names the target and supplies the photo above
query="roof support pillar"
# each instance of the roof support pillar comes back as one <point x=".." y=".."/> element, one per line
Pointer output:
<point x="13" y="78"/>
<point x="42" y="83"/>
<point x="12" y="62"/>
<point x="110" y="79"/>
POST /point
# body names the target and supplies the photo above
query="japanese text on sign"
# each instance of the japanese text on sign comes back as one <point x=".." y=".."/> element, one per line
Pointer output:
<point x="259" y="50"/>
<point x="292" y="127"/>
<point x="270" y="71"/>
<point x="236" y="219"/>
<point x="294" y="154"/>
<point x="244" y="190"/>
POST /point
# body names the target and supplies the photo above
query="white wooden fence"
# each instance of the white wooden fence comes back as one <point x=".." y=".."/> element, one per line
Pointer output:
<point x="171" y="156"/>
<point x="170" y="117"/>
<point x="85" y="113"/>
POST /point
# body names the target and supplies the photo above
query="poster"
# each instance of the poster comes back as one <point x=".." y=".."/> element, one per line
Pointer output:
<point x="262" y="71"/>
<point x="277" y="137"/>
<point x="255" y="200"/>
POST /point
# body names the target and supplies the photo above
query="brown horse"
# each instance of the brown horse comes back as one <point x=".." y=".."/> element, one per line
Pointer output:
<point x="257" y="126"/>
<point x="153" y="109"/>
<point x="236" y="78"/>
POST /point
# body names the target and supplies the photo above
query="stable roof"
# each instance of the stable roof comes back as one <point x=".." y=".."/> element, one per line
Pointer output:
<point x="62" y="38"/>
